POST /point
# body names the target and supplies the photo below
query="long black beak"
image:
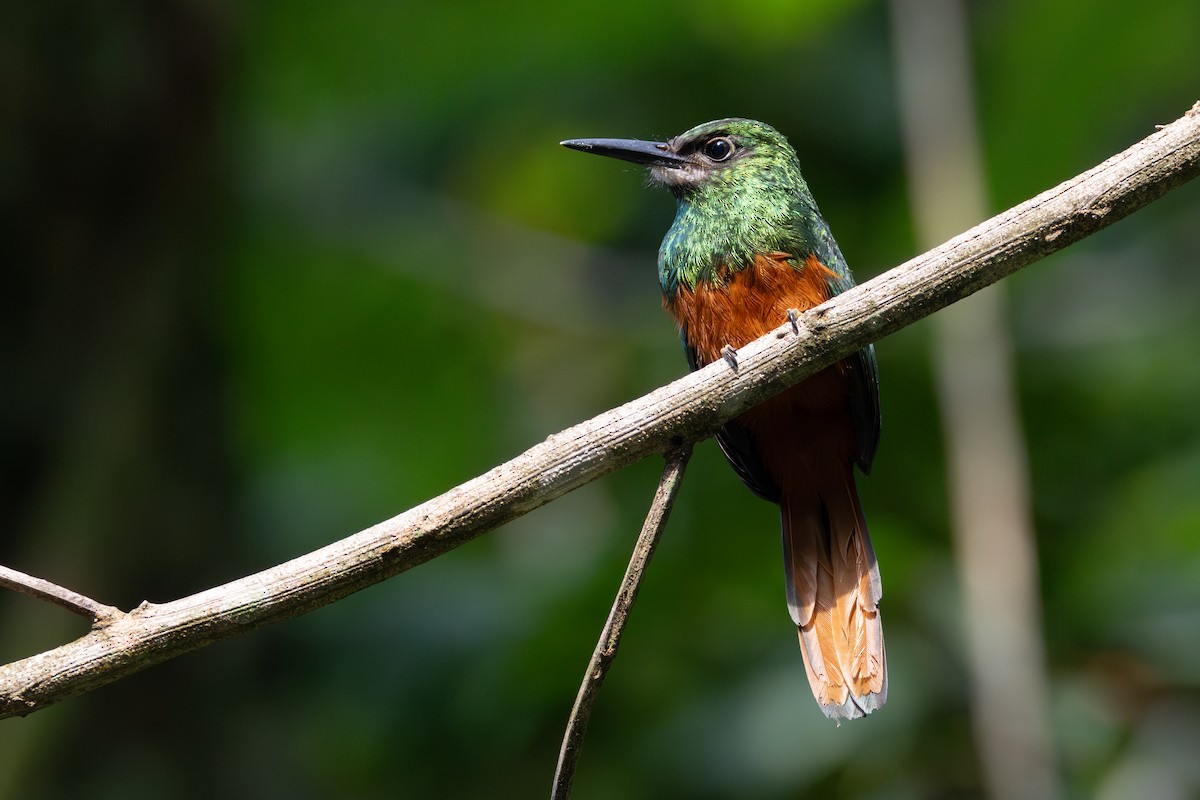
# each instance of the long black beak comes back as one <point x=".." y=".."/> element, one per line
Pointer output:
<point x="655" y="154"/>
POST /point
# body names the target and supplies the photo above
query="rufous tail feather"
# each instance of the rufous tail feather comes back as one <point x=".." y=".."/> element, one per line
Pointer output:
<point x="833" y="592"/>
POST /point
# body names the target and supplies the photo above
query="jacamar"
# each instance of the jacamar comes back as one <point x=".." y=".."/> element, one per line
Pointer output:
<point x="747" y="251"/>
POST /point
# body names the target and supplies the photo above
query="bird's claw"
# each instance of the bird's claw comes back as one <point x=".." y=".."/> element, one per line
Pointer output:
<point x="730" y="356"/>
<point x="793" y="315"/>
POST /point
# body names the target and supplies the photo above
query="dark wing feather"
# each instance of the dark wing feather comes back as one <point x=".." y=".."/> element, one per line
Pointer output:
<point x="864" y="405"/>
<point x="738" y="446"/>
<point x="861" y="367"/>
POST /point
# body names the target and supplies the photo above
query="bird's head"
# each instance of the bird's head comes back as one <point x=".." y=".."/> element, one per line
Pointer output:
<point x="714" y="161"/>
<point x="739" y="193"/>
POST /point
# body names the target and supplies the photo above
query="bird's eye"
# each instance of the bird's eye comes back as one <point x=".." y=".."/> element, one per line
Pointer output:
<point x="718" y="149"/>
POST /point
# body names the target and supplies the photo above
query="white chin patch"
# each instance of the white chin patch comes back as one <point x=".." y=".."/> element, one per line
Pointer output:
<point x="680" y="177"/>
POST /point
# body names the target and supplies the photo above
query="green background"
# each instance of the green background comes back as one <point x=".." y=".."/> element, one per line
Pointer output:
<point x="277" y="271"/>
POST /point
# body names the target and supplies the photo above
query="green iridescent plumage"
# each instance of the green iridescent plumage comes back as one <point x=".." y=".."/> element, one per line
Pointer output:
<point x="754" y="202"/>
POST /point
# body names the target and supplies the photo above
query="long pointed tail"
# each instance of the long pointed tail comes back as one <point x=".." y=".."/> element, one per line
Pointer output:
<point x="833" y="592"/>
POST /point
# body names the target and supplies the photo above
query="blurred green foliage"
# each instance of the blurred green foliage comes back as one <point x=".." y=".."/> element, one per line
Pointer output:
<point x="276" y="271"/>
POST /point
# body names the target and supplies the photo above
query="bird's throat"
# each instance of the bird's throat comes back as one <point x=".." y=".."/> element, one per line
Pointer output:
<point x="746" y="304"/>
<point x="716" y="235"/>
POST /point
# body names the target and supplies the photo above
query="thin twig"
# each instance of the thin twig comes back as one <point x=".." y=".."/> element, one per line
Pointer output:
<point x="691" y="407"/>
<point x="59" y="596"/>
<point x="610" y="637"/>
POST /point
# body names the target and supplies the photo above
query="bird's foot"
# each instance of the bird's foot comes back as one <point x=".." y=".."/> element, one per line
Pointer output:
<point x="730" y="356"/>
<point x="793" y="315"/>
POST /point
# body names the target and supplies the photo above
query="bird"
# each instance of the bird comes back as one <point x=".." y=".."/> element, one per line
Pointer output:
<point x="747" y="251"/>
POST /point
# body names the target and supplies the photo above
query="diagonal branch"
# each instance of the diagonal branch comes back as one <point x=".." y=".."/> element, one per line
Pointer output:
<point x="689" y="408"/>
<point x="610" y="636"/>
<point x="59" y="596"/>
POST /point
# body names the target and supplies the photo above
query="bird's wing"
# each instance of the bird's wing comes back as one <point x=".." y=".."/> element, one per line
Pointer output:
<point x="861" y="369"/>
<point x="864" y="405"/>
<point x="738" y="446"/>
